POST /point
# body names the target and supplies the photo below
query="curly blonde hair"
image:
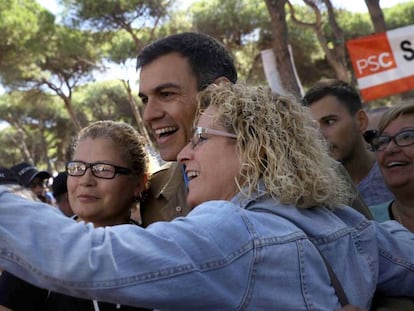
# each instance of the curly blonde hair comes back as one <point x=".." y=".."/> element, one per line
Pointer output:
<point x="278" y="143"/>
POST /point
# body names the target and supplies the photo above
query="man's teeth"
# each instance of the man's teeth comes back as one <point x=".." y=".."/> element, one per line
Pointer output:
<point x="192" y="174"/>
<point x="165" y="130"/>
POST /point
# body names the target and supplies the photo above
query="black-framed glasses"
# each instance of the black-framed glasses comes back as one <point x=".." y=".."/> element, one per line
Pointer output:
<point x="200" y="132"/>
<point x="98" y="169"/>
<point x="402" y="139"/>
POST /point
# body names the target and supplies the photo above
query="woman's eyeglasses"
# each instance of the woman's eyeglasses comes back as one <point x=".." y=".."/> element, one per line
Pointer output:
<point x="98" y="169"/>
<point x="402" y="139"/>
<point x="200" y="132"/>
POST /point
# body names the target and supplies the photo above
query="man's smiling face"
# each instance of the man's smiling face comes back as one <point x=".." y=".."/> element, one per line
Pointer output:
<point x="168" y="89"/>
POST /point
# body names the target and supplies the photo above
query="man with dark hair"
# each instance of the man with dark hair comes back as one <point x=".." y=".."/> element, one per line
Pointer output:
<point x="337" y="107"/>
<point x="207" y="57"/>
<point x="172" y="72"/>
<point x="60" y="193"/>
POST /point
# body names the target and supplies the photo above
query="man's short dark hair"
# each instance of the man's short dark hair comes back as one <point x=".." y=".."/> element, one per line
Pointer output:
<point x="344" y="92"/>
<point x="59" y="186"/>
<point x="207" y="57"/>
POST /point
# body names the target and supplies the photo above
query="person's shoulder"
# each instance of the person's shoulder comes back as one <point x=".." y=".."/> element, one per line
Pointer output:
<point x="217" y="210"/>
<point x="166" y="174"/>
<point x="165" y="168"/>
<point x="166" y="171"/>
<point x="165" y="198"/>
<point x="222" y="204"/>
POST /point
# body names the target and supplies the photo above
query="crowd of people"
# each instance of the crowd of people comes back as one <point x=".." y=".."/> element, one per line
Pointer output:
<point x="258" y="207"/>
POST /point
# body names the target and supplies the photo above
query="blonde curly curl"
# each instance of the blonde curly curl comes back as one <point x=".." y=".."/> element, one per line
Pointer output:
<point x="278" y="143"/>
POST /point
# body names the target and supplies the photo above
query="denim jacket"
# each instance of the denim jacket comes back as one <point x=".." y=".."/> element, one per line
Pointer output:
<point x="247" y="254"/>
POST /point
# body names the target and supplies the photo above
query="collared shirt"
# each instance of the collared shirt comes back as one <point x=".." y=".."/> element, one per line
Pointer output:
<point x="166" y="197"/>
<point x="247" y="254"/>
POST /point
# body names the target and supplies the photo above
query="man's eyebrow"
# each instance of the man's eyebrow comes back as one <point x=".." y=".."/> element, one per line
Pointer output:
<point x="161" y="87"/>
<point x="329" y="116"/>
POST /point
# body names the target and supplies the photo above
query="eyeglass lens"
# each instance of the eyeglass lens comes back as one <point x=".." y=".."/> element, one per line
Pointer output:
<point x="100" y="170"/>
<point x="402" y="139"/>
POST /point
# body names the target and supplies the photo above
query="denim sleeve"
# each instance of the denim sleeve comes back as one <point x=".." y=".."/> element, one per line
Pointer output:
<point x="396" y="259"/>
<point x="207" y="261"/>
<point x="125" y="263"/>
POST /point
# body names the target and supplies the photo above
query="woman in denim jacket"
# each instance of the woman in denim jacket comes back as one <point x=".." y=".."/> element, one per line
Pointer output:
<point x="265" y="229"/>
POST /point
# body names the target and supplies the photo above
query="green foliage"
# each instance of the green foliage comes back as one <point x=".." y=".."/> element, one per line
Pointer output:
<point x="120" y="48"/>
<point x="355" y="24"/>
<point x="18" y="24"/>
<point x="73" y="53"/>
<point x="11" y="154"/>
<point x="109" y="14"/>
<point x="127" y="24"/>
<point x="241" y="32"/>
<point x="60" y="56"/>
<point x="305" y="47"/>
<point x="104" y="101"/>
<point x="399" y="15"/>
<point x="38" y="55"/>
<point x="37" y="120"/>
<point x="177" y="22"/>
<point x="26" y="28"/>
<point x="231" y="21"/>
<point x="40" y="129"/>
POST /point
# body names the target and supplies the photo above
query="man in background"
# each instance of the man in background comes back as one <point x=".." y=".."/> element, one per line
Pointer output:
<point x="60" y="193"/>
<point x="337" y="107"/>
<point x="30" y="177"/>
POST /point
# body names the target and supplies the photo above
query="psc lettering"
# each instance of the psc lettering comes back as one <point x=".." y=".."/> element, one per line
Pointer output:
<point x="406" y="47"/>
<point x="374" y="63"/>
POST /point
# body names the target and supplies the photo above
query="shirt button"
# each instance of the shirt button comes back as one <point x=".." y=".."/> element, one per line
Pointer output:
<point x="178" y="209"/>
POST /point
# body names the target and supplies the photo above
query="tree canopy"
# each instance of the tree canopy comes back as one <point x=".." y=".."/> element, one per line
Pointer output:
<point x="48" y="68"/>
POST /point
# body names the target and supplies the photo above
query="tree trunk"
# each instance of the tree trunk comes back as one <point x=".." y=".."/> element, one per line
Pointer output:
<point x="336" y="55"/>
<point x="338" y="61"/>
<point x="44" y="150"/>
<point x="377" y="17"/>
<point x="67" y="100"/>
<point x="284" y="65"/>
<point x="27" y="156"/>
<point x="72" y="114"/>
<point x="138" y="119"/>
